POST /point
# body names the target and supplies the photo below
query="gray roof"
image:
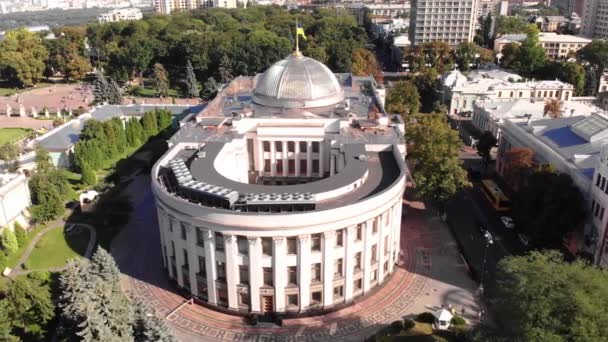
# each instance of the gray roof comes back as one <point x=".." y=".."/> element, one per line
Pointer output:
<point x="64" y="137"/>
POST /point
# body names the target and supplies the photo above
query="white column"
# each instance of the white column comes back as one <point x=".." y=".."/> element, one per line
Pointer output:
<point x="285" y="160"/>
<point x="321" y="157"/>
<point x="351" y="232"/>
<point x="304" y="270"/>
<point x="328" y="267"/>
<point x="397" y="230"/>
<point x="255" y="272"/>
<point x="209" y="242"/>
<point x="273" y="159"/>
<point x="308" y="159"/>
<point x="332" y="165"/>
<point x="192" y="257"/>
<point x="367" y="257"/>
<point x="162" y="226"/>
<point x="297" y="158"/>
<point x="391" y="237"/>
<point x="381" y="258"/>
<point x="232" y="270"/>
<point x="279" y="253"/>
<point x="169" y="239"/>
<point x="179" y="254"/>
<point x="260" y="157"/>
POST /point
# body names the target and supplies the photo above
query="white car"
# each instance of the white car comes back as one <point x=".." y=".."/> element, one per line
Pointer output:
<point x="508" y="222"/>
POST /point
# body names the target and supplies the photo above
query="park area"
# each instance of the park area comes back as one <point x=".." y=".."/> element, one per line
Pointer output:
<point x="12" y="135"/>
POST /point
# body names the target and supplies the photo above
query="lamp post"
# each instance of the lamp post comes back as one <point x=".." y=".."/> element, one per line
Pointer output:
<point x="489" y="240"/>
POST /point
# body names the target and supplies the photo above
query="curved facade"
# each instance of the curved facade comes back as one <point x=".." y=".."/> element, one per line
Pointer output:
<point x="261" y="213"/>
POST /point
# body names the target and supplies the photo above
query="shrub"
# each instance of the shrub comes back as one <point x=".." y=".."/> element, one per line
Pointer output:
<point x="3" y="261"/>
<point x="457" y="320"/>
<point x="20" y="234"/>
<point x="408" y="324"/>
<point x="41" y="276"/>
<point x="9" y="241"/>
<point x="426" y="317"/>
<point x="396" y="327"/>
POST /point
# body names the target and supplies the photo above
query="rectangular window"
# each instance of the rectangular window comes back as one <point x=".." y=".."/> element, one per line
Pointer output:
<point x="267" y="165"/>
<point x="315" y="243"/>
<point x="303" y="146"/>
<point x="266" y="146"/>
<point x="202" y="266"/>
<point x="292" y="245"/>
<point x="241" y="242"/>
<point x="315" y="146"/>
<point x="315" y="272"/>
<point x="185" y="253"/>
<point x="315" y="297"/>
<point x="374" y="253"/>
<point x="603" y="183"/>
<point x="268" y="276"/>
<point x="602" y="213"/>
<point x="292" y="300"/>
<point x="244" y="275"/>
<point x="358" y="284"/>
<point x="221" y="271"/>
<point x="292" y="275"/>
<point x="291" y="146"/>
<point x="340" y="238"/>
<point x="315" y="165"/>
<point x="386" y="266"/>
<point x="183" y="231"/>
<point x="338" y="292"/>
<point x="200" y="240"/>
<point x="219" y="242"/>
<point x="598" y="179"/>
<point x="374" y="276"/>
<point x="278" y="146"/>
<point x="358" y="261"/>
<point x="170" y="224"/>
<point x="338" y="267"/>
<point x="267" y="246"/>
<point x="375" y="226"/>
<point x="303" y="167"/>
<point x="597" y="209"/>
<point x="385" y="245"/>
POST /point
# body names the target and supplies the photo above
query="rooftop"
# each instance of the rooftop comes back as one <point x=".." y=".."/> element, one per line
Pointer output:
<point x="545" y="37"/>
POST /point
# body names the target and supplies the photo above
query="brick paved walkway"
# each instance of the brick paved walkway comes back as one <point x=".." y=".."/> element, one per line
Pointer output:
<point x="408" y="291"/>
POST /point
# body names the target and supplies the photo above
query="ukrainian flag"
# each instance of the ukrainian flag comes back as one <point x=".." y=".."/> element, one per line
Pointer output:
<point x="300" y="31"/>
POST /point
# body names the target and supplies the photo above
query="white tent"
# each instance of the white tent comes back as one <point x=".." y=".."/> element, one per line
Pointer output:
<point x="442" y="319"/>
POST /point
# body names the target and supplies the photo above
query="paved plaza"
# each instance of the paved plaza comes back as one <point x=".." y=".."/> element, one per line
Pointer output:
<point x="430" y="274"/>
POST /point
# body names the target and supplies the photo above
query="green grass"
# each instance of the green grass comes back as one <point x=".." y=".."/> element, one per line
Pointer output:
<point x="10" y="91"/>
<point x="14" y="257"/>
<point x="151" y="92"/>
<point x="10" y="135"/>
<point x="55" y="249"/>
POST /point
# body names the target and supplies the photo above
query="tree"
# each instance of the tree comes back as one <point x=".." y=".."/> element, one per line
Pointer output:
<point x="192" y="87"/>
<point x="483" y="35"/>
<point x="148" y="327"/>
<point x="209" y="90"/>
<point x="164" y="119"/>
<point x="509" y="54"/>
<point x="364" y="63"/>
<point x="403" y="99"/>
<point x="485" y="144"/>
<point x="466" y="55"/>
<point x="530" y="56"/>
<point x="115" y="92"/>
<point x="88" y="175"/>
<point x="48" y="188"/>
<point x="543" y="298"/>
<point x="49" y="205"/>
<point x="29" y="307"/>
<point x="5" y="326"/>
<point x="596" y="53"/>
<point x="149" y="124"/>
<point x="22" y="57"/>
<point x="510" y="24"/>
<point x="160" y="78"/>
<point x="553" y="108"/>
<point x="225" y="70"/>
<point x="9" y="241"/>
<point x="20" y="234"/>
<point x="9" y="153"/>
<point x="102" y="88"/>
<point x="548" y="207"/>
<point x="434" y="149"/>
<point x="516" y="161"/>
<point x="438" y="54"/>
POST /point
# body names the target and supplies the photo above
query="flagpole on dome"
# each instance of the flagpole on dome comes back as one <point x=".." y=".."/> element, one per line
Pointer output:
<point x="297" y="53"/>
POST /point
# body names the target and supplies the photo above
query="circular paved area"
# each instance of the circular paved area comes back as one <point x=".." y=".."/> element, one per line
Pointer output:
<point x="137" y="251"/>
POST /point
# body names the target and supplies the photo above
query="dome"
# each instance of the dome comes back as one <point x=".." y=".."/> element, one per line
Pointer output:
<point x="297" y="82"/>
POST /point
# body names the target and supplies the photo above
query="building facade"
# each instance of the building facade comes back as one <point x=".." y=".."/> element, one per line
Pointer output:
<point x="284" y="194"/>
<point x="169" y="6"/>
<point x="449" y="21"/>
<point x="120" y="15"/>
<point x="595" y="19"/>
<point x="14" y="199"/>
<point x="556" y="46"/>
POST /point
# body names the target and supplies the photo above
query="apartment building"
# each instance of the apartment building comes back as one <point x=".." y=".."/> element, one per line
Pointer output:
<point x="169" y="6"/>
<point x="449" y="21"/>
<point x="595" y="19"/>
<point x="557" y="46"/>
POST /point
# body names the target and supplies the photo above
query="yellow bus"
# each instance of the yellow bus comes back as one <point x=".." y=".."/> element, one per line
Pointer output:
<point x="496" y="197"/>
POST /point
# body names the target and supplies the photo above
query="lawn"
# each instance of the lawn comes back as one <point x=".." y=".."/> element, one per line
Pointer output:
<point x="14" y="257"/>
<point x="10" y="91"/>
<point x="10" y="135"/>
<point x="55" y="249"/>
<point x="151" y="92"/>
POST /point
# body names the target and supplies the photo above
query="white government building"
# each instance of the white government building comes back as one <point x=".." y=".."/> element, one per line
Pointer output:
<point x="285" y="193"/>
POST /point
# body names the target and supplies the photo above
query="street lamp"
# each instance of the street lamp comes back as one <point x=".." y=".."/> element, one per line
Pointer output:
<point x="489" y="240"/>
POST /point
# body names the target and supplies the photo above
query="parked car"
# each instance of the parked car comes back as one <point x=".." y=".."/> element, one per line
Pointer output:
<point x="524" y="239"/>
<point x="508" y="222"/>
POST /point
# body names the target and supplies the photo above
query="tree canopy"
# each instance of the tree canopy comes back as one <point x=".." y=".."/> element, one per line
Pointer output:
<point x="403" y="99"/>
<point x="364" y="63"/>
<point x="530" y="56"/>
<point x="22" y="57"/>
<point x="542" y="298"/>
<point x="510" y="24"/>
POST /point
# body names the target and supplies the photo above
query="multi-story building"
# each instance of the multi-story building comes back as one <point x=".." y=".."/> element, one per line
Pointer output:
<point x="120" y="15"/>
<point x="595" y="19"/>
<point x="449" y="21"/>
<point x="575" y="145"/>
<point x="557" y="46"/>
<point x="284" y="193"/>
<point x="14" y="199"/>
<point x="492" y="7"/>
<point x="553" y="23"/>
<point x="169" y="6"/>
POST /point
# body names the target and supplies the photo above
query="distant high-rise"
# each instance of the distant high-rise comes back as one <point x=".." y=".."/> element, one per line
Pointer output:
<point x="169" y="6"/>
<point x="450" y="21"/>
<point x="595" y="19"/>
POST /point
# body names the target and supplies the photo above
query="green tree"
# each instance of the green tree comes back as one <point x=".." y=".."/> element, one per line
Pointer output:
<point x="403" y="99"/>
<point x="438" y="54"/>
<point x="484" y="146"/>
<point x="483" y="35"/>
<point x="225" y="70"/>
<point x="102" y="89"/>
<point x="548" y="207"/>
<point x="149" y="124"/>
<point x="510" y="24"/>
<point x="29" y="307"/>
<point x="364" y="63"/>
<point x="88" y="175"/>
<point x="192" y="86"/>
<point x="209" y="90"/>
<point x="49" y="205"/>
<point x="10" y="154"/>
<point x="543" y="298"/>
<point x="509" y="54"/>
<point x="164" y="119"/>
<point x="5" y="326"/>
<point x="434" y="149"/>
<point x="20" y="234"/>
<point x="530" y="56"/>
<point x="115" y="92"/>
<point x="149" y="327"/>
<point x="466" y="55"/>
<point x="22" y="57"/>
<point x="596" y="53"/>
<point x="9" y="241"/>
<point x="160" y="78"/>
